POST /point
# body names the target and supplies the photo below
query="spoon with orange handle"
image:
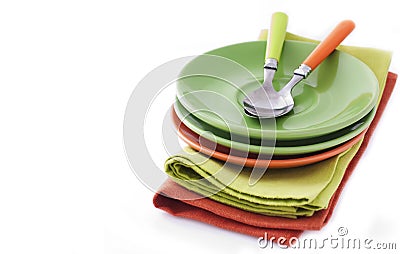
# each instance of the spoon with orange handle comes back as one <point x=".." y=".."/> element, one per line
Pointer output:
<point x="274" y="105"/>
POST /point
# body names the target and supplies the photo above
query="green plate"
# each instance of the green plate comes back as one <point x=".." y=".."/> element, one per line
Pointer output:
<point x="341" y="91"/>
<point x="282" y="148"/>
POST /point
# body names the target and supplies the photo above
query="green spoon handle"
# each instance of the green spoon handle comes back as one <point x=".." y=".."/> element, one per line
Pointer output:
<point x="276" y="35"/>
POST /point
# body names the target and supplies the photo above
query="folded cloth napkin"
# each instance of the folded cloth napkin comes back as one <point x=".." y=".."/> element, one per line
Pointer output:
<point x="172" y="198"/>
<point x="218" y="213"/>
<point x="288" y="192"/>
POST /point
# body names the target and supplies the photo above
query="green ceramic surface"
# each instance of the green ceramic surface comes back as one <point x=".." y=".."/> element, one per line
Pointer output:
<point x="338" y="93"/>
<point x="282" y="148"/>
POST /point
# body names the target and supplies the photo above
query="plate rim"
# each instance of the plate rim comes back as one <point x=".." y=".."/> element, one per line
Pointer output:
<point x="272" y="163"/>
<point x="309" y="132"/>
<point x="290" y="150"/>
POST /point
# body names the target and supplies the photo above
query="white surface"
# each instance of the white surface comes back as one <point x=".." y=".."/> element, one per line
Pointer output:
<point x="67" y="69"/>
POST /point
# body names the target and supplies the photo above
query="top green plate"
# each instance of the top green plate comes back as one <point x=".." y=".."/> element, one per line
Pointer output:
<point x="336" y="94"/>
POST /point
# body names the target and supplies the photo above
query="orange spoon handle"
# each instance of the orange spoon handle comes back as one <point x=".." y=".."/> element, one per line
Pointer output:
<point x="329" y="44"/>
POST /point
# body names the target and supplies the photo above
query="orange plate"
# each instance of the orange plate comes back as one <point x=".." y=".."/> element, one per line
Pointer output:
<point x="227" y="154"/>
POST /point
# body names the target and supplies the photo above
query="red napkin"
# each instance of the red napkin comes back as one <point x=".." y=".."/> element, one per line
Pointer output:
<point x="227" y="217"/>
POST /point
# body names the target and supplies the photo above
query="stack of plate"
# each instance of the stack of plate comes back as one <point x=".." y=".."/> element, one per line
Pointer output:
<point x="333" y="106"/>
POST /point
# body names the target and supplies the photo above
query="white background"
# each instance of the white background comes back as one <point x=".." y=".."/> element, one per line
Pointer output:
<point x="67" y="69"/>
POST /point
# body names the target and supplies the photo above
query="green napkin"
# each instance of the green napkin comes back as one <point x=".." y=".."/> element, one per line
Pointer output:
<point x="289" y="192"/>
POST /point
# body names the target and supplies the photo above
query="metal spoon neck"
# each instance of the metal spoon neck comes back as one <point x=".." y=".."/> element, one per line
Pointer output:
<point x="270" y="67"/>
<point x="268" y="76"/>
<point x="292" y="82"/>
<point x="271" y="63"/>
<point x="299" y="74"/>
<point x="303" y="70"/>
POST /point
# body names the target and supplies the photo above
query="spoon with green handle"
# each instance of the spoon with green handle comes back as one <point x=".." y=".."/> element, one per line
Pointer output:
<point x="275" y="40"/>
